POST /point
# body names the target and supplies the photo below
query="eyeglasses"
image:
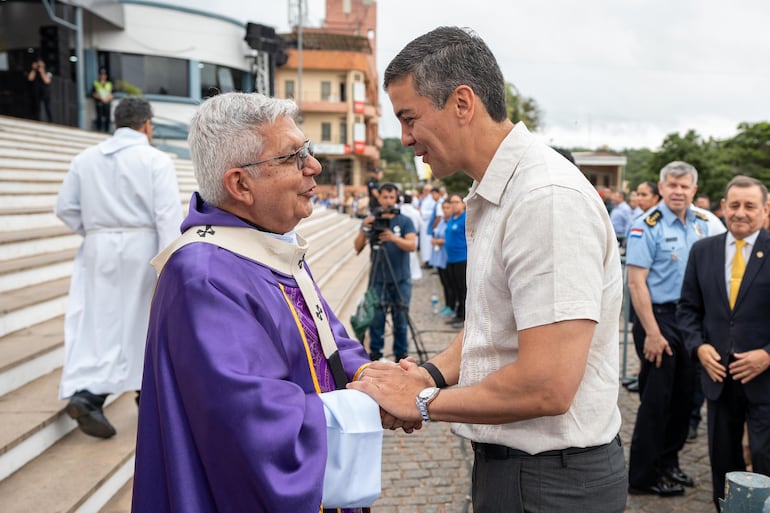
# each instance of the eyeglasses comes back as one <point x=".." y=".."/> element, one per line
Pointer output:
<point x="301" y="155"/>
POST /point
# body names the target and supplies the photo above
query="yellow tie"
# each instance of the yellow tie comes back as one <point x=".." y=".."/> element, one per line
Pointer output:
<point x="739" y="266"/>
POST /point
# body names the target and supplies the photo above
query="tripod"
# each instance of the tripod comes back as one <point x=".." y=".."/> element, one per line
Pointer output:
<point x="380" y="257"/>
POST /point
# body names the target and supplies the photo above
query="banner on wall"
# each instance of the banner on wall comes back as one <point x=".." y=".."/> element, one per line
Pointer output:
<point x="359" y="97"/>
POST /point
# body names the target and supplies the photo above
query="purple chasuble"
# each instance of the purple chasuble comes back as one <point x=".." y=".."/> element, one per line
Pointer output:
<point x="230" y="420"/>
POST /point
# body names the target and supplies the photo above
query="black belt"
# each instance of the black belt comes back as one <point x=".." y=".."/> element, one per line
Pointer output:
<point x="501" y="452"/>
<point x="664" y="307"/>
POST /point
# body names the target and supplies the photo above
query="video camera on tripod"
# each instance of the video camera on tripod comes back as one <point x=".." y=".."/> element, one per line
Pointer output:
<point x="381" y="223"/>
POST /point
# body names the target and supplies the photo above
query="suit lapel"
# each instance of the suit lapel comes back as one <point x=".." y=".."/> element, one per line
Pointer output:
<point x="758" y="256"/>
<point x="718" y="277"/>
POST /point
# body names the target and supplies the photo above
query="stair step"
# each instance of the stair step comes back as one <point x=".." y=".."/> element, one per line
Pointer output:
<point x="36" y="148"/>
<point x="33" y="420"/>
<point x="33" y="262"/>
<point x="79" y="473"/>
<point x="28" y="306"/>
<point x="22" y="201"/>
<point x="30" y="188"/>
<point x="28" y="220"/>
<point x="34" y="173"/>
<point x="36" y="233"/>
<point x="121" y="501"/>
<point x="37" y="246"/>
<point x="31" y="352"/>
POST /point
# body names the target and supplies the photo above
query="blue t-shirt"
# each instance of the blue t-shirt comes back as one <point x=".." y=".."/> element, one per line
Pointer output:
<point x="456" y="245"/>
<point x="400" y="225"/>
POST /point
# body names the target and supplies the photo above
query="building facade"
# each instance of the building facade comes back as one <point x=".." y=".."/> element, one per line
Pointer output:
<point x="333" y="77"/>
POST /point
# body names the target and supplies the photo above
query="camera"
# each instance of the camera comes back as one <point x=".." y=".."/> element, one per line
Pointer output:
<point x="381" y="223"/>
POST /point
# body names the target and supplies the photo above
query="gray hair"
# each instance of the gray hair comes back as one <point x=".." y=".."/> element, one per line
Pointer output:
<point x="132" y="112"/>
<point x="446" y="58"/>
<point x="224" y="133"/>
<point x="747" y="181"/>
<point x="678" y="169"/>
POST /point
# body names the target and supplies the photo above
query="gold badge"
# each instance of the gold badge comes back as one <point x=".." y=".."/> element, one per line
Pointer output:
<point x="698" y="231"/>
<point x="760" y="254"/>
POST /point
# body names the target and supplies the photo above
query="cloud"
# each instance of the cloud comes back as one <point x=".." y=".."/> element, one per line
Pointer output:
<point x="604" y="72"/>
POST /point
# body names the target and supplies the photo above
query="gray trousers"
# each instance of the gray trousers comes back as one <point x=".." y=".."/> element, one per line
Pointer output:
<point x="590" y="480"/>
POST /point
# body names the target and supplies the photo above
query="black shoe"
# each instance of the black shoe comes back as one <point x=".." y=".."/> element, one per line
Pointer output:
<point x="662" y="487"/>
<point x="676" y="475"/>
<point x="90" y="418"/>
<point x="400" y="357"/>
<point x="629" y="381"/>
<point x="692" y="434"/>
<point x="455" y="320"/>
<point x="633" y="387"/>
<point x="374" y="356"/>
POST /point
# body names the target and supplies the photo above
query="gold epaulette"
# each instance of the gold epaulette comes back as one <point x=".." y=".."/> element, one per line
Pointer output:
<point x="653" y="218"/>
<point x="701" y="216"/>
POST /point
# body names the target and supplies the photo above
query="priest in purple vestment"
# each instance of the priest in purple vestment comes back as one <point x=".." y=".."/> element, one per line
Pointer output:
<point x="230" y="418"/>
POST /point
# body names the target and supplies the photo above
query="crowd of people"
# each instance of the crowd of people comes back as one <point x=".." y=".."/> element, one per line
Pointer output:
<point x="242" y="356"/>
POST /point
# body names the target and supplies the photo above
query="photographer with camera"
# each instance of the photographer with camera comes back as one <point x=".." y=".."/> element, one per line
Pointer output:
<point x="40" y="84"/>
<point x="392" y="237"/>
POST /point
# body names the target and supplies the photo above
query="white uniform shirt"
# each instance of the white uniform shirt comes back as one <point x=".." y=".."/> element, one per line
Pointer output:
<point x="541" y="249"/>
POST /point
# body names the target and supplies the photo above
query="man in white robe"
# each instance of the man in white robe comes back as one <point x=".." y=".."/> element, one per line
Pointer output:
<point x="122" y="197"/>
<point x="407" y="208"/>
<point x="427" y="211"/>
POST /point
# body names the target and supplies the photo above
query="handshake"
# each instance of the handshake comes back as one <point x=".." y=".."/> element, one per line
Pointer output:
<point x="395" y="387"/>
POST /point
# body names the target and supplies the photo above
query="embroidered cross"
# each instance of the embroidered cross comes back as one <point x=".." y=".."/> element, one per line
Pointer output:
<point x="205" y="231"/>
<point x="301" y="261"/>
<point x="319" y="312"/>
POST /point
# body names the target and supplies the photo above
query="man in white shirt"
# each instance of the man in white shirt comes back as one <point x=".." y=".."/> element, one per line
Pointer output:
<point x="537" y="360"/>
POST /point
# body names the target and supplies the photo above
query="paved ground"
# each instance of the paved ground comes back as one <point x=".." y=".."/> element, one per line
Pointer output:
<point x="429" y="471"/>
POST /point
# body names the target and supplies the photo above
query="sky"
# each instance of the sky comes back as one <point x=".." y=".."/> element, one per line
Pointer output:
<point x="615" y="73"/>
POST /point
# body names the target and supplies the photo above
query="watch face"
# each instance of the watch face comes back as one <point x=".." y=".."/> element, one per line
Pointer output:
<point x="427" y="392"/>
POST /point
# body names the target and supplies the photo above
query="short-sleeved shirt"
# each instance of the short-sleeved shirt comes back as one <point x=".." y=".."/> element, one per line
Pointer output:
<point x="455" y="243"/>
<point x="621" y="217"/>
<point x="661" y="243"/>
<point x="541" y="249"/>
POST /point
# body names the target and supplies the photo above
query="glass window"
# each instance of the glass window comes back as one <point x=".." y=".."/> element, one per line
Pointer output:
<point x="289" y="87"/>
<point x="326" y="132"/>
<point x="145" y="74"/>
<point x="326" y="91"/>
<point x="217" y="79"/>
<point x="343" y="133"/>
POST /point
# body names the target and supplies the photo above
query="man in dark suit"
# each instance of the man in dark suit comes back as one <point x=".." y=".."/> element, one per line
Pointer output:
<point x="725" y="313"/>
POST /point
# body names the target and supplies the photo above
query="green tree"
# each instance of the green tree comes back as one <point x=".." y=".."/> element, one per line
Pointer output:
<point x="397" y="162"/>
<point x="748" y="153"/>
<point x="522" y="108"/>
<point x="705" y="155"/>
<point x="638" y="167"/>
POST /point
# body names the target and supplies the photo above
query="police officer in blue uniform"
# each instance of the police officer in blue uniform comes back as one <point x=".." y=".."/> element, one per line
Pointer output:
<point x="656" y="256"/>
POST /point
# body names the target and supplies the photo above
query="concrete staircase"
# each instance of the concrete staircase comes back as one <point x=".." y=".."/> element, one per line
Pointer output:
<point x="46" y="464"/>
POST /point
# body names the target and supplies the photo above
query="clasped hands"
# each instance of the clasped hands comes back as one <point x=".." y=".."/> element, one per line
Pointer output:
<point x="394" y="386"/>
<point x="744" y="368"/>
